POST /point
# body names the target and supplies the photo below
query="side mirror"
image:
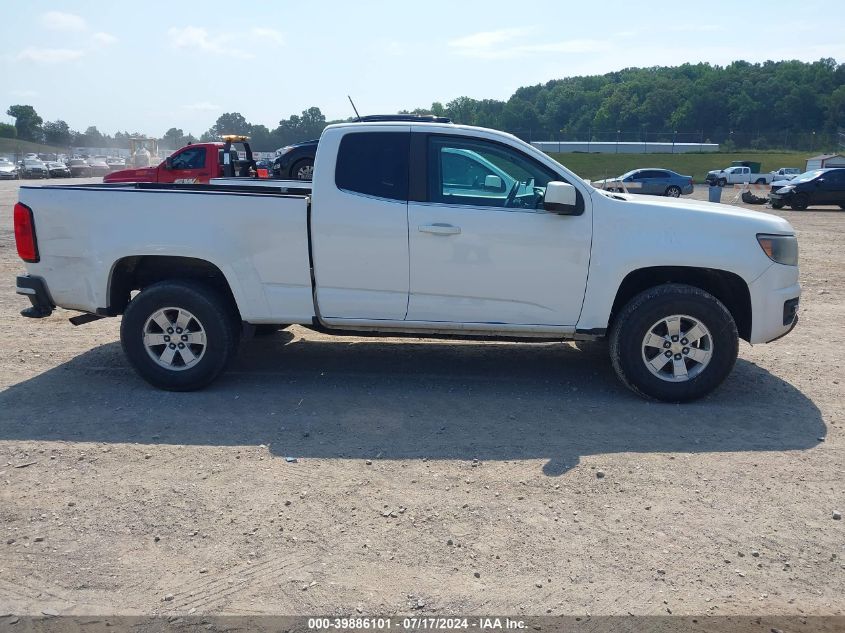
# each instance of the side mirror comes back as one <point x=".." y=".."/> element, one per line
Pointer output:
<point x="168" y="162"/>
<point x="492" y="182"/>
<point x="561" y="198"/>
<point x="819" y="181"/>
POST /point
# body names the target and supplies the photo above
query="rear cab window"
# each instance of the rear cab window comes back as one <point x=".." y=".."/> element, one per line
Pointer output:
<point x="374" y="164"/>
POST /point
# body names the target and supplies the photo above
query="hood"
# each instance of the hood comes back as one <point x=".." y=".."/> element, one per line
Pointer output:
<point x="677" y="211"/>
<point x="142" y="174"/>
<point x="7" y="167"/>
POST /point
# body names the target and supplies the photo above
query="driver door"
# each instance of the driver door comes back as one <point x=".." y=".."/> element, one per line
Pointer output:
<point x="488" y="254"/>
<point x="189" y="166"/>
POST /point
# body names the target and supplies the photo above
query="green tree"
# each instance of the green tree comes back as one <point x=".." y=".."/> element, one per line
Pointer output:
<point x="174" y="138"/>
<point x="57" y="133"/>
<point x="27" y="122"/>
<point x="7" y="130"/>
<point x="231" y="123"/>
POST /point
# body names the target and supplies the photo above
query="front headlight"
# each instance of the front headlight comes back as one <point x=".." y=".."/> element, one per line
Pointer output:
<point x="782" y="249"/>
<point x="786" y="189"/>
<point x="284" y="150"/>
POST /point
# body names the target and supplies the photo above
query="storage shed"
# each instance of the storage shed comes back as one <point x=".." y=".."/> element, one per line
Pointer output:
<point x="825" y="160"/>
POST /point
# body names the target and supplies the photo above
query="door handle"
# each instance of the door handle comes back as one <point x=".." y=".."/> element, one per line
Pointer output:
<point x="439" y="229"/>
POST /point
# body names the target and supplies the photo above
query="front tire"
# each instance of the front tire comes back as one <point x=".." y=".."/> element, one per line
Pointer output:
<point x="179" y="335"/>
<point x="673" y="343"/>
<point x="800" y="201"/>
<point x="303" y="169"/>
<point x="722" y="182"/>
<point x="777" y="204"/>
<point x="673" y="192"/>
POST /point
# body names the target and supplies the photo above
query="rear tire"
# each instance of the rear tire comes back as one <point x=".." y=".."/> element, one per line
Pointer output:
<point x="695" y="366"/>
<point x="179" y="335"/>
<point x="800" y="202"/>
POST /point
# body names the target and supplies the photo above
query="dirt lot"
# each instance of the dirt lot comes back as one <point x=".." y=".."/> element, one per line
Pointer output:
<point x="119" y="499"/>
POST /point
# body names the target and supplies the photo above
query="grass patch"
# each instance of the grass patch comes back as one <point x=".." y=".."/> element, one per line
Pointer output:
<point x="9" y="146"/>
<point x="598" y="166"/>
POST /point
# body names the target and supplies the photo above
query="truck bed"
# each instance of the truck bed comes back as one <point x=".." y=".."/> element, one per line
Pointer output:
<point x="257" y="239"/>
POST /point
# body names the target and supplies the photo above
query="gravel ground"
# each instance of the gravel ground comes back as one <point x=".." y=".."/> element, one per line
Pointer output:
<point x="428" y="476"/>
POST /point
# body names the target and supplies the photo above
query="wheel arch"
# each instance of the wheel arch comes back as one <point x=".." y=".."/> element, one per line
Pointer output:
<point x="136" y="272"/>
<point x="727" y="287"/>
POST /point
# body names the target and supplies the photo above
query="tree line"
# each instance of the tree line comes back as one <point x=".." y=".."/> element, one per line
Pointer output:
<point x="764" y="103"/>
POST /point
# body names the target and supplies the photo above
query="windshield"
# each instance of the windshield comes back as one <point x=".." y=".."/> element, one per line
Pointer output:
<point x="808" y="175"/>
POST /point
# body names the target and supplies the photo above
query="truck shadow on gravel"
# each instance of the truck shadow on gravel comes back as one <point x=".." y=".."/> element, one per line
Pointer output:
<point x="400" y="400"/>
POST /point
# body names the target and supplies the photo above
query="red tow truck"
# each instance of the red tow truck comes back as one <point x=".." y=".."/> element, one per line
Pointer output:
<point x="195" y="163"/>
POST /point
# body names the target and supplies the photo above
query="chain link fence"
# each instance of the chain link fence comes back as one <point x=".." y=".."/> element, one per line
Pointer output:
<point x="728" y="140"/>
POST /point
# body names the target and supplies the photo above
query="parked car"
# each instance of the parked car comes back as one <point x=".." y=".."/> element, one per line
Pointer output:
<point x="33" y="168"/>
<point x="820" y="186"/>
<point x="786" y="173"/>
<point x="79" y="168"/>
<point x="386" y="248"/>
<point x="8" y="170"/>
<point x="99" y="166"/>
<point x="295" y="162"/>
<point x="740" y="172"/>
<point x="116" y="163"/>
<point x="57" y="169"/>
<point x="655" y="182"/>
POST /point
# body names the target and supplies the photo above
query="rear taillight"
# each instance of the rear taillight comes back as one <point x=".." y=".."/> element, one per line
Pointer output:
<point x="25" y="234"/>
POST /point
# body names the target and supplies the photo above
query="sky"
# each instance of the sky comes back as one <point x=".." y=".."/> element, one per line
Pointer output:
<point x="148" y="66"/>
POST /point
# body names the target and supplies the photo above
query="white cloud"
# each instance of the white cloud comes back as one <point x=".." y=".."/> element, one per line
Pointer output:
<point x="105" y="39"/>
<point x="199" y="39"/>
<point x="504" y="44"/>
<point x="485" y="40"/>
<point x="49" y="55"/>
<point x="268" y="36"/>
<point x="58" y="21"/>
<point x="394" y="49"/>
<point x="202" y="105"/>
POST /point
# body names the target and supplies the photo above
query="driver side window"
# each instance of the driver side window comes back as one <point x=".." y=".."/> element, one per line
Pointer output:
<point x="477" y="173"/>
<point x="193" y="158"/>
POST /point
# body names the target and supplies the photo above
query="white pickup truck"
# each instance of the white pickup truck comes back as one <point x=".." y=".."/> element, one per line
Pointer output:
<point x="413" y="227"/>
<point x="738" y="175"/>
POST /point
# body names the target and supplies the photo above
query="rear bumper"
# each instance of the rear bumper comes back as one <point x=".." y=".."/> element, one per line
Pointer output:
<point x="36" y="290"/>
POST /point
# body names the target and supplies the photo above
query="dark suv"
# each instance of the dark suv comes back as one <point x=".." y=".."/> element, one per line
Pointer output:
<point x="820" y="186"/>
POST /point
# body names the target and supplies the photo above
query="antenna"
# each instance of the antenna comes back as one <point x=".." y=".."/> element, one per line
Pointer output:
<point x="353" y="107"/>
